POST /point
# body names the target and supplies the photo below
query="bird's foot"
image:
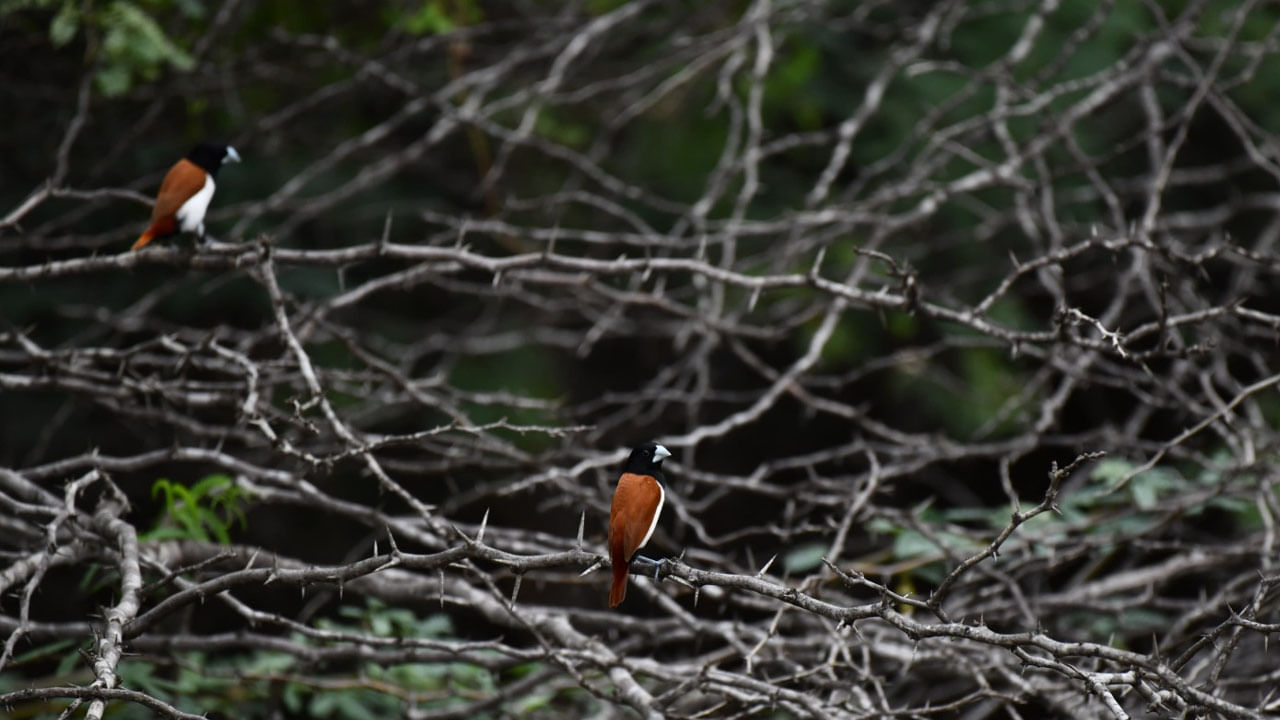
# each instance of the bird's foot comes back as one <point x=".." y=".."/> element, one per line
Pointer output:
<point x="656" y="564"/>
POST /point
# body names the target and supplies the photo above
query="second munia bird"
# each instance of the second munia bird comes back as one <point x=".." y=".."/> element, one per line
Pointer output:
<point x="186" y="191"/>
<point x="633" y="515"/>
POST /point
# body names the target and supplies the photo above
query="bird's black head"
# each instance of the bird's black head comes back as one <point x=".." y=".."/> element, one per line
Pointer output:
<point x="210" y="156"/>
<point x="647" y="460"/>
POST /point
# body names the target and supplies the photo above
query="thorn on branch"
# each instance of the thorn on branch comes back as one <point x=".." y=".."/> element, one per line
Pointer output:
<point x="385" y="238"/>
<point x="465" y="538"/>
<point x="484" y="523"/>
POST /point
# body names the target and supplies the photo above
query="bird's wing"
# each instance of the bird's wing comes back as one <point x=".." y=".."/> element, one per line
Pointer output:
<point x="182" y="181"/>
<point x="638" y="496"/>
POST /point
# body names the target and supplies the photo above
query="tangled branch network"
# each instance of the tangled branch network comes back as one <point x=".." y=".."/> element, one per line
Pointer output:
<point x="960" y="320"/>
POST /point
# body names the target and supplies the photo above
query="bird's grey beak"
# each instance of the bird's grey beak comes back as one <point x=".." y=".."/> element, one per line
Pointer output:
<point x="232" y="155"/>
<point x="660" y="453"/>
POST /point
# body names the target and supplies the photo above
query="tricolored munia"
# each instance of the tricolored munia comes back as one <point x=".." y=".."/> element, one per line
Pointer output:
<point x="633" y="515"/>
<point x="186" y="191"/>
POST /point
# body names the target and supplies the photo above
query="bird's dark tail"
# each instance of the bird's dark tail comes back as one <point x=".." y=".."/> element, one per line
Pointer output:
<point x="618" y="590"/>
<point x="144" y="238"/>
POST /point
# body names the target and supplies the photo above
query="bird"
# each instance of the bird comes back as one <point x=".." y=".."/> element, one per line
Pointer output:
<point x="633" y="515"/>
<point x="186" y="191"/>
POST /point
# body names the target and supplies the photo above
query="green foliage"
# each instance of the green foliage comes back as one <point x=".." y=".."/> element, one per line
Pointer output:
<point x="788" y="89"/>
<point x="1131" y="621"/>
<point x="63" y="648"/>
<point x="1099" y="509"/>
<point x="133" y="45"/>
<point x="384" y="621"/>
<point x="1144" y="488"/>
<point x="430" y="17"/>
<point x="440" y="16"/>
<point x="989" y="380"/>
<point x="124" y="38"/>
<point x="561" y="127"/>
<point x="924" y="554"/>
<point x="692" y="146"/>
<point x="258" y="683"/>
<point x="205" y="511"/>
<point x="254" y="684"/>
<point x="965" y="391"/>
<point x="804" y="558"/>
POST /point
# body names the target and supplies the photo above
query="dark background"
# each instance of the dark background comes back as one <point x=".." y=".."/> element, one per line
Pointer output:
<point x="1037" y="232"/>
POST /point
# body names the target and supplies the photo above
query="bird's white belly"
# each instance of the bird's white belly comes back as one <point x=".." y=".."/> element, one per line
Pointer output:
<point x="191" y="215"/>
<point x="653" y="524"/>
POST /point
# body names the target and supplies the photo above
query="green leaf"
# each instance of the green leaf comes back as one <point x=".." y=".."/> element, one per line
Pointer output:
<point x="163" y="486"/>
<point x="1145" y="491"/>
<point x="436" y="626"/>
<point x="532" y="703"/>
<point x="293" y="696"/>
<point x="1142" y="620"/>
<point x="209" y="484"/>
<point x="64" y="25"/>
<point x="322" y="704"/>
<point x="268" y="663"/>
<point x="881" y="526"/>
<point x="804" y="558"/>
<point x="1111" y="470"/>
<point x="191" y="8"/>
<point x="430" y="18"/>
<point x="912" y="544"/>
<point x="41" y="651"/>
<point x="472" y="677"/>
<point x="206" y="518"/>
<point x="360" y="705"/>
<point x="67" y="663"/>
<point x="90" y="576"/>
<point x="204" y="510"/>
<point x="192" y="525"/>
<point x="523" y="669"/>
<point x="147" y="36"/>
<point x="183" y="498"/>
<point x="167" y="533"/>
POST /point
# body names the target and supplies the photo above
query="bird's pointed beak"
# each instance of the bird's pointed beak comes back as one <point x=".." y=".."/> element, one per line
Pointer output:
<point x="660" y="453"/>
<point x="232" y="155"/>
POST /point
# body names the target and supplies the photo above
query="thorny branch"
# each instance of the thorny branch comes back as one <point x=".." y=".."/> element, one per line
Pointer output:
<point x="874" y="325"/>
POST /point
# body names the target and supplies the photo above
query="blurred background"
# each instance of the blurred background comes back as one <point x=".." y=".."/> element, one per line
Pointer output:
<point x="880" y="274"/>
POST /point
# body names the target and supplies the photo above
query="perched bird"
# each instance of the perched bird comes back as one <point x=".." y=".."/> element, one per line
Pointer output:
<point x="186" y="191"/>
<point x="637" y="502"/>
